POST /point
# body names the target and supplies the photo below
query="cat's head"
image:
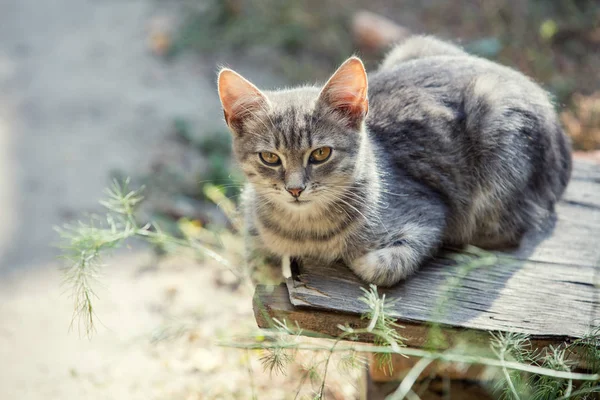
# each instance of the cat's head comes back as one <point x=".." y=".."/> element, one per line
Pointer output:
<point x="298" y="147"/>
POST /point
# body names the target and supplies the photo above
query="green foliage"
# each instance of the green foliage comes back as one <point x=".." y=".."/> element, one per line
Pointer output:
<point x="83" y="244"/>
<point x="385" y="327"/>
<point x="589" y="348"/>
<point x="276" y="359"/>
<point x="509" y="347"/>
<point x="517" y="384"/>
<point x="351" y="360"/>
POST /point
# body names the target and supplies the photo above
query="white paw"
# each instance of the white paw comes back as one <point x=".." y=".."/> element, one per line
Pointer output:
<point x="385" y="267"/>
<point x="286" y="269"/>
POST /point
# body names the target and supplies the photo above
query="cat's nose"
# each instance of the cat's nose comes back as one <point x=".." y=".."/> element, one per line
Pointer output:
<point x="295" y="191"/>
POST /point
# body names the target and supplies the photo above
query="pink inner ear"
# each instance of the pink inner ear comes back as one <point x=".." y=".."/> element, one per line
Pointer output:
<point x="346" y="90"/>
<point x="239" y="97"/>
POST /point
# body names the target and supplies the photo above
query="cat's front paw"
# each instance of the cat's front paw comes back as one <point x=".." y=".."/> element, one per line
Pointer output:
<point x="385" y="267"/>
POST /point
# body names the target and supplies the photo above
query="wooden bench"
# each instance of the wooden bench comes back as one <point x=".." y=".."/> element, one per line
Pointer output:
<point x="548" y="288"/>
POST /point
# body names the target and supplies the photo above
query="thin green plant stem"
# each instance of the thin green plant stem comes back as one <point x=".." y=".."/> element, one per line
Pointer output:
<point x="409" y="380"/>
<point x="593" y="389"/>
<point x="513" y="390"/>
<point x="375" y="316"/>
<point x="569" y="388"/>
<point x="322" y="390"/>
<point x="304" y="376"/>
<point x="569" y="383"/>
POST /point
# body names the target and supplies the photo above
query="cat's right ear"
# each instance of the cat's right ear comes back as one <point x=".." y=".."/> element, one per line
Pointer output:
<point x="240" y="99"/>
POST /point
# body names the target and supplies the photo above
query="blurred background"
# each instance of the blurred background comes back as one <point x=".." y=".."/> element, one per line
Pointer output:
<point x="92" y="90"/>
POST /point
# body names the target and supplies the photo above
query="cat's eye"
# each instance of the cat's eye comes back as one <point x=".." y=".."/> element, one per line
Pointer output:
<point x="269" y="158"/>
<point x="320" y="155"/>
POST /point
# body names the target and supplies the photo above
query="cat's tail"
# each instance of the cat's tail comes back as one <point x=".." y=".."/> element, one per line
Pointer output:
<point x="419" y="47"/>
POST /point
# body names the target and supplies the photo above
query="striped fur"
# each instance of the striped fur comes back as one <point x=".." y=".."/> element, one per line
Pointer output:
<point x="454" y="150"/>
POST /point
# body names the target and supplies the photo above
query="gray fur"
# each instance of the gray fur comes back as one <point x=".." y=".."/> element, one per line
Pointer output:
<point x="455" y="150"/>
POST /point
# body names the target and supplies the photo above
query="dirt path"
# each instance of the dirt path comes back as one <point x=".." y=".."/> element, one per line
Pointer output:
<point x="81" y="95"/>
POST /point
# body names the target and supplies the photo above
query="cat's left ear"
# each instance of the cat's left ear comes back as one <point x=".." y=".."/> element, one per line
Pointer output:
<point x="346" y="92"/>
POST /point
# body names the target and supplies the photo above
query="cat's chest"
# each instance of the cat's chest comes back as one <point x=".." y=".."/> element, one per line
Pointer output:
<point x="327" y="239"/>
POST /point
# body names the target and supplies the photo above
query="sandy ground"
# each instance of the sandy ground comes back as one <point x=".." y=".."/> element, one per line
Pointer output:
<point x="80" y="96"/>
<point x="140" y="301"/>
<point x="41" y="359"/>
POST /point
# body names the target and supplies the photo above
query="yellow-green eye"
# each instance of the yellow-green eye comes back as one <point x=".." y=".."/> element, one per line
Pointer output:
<point x="320" y="155"/>
<point x="269" y="158"/>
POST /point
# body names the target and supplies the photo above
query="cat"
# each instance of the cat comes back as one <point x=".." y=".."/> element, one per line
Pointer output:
<point x="437" y="147"/>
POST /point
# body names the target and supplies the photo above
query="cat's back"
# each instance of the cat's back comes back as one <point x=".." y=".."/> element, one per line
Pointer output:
<point x="455" y="109"/>
<point x="449" y="80"/>
<point x="476" y="132"/>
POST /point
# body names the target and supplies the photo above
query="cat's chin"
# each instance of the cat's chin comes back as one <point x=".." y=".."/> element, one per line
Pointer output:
<point x="299" y="203"/>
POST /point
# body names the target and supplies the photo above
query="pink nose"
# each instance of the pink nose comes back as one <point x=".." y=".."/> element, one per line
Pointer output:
<point x="295" y="191"/>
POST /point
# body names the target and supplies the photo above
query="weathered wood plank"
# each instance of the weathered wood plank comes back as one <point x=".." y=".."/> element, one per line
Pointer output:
<point x="539" y="299"/>
<point x="585" y="170"/>
<point x="548" y="288"/>
<point x="274" y="302"/>
<point x="582" y="192"/>
<point x="573" y="240"/>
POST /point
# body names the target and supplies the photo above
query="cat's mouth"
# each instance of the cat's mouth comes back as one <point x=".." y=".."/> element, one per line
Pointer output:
<point x="299" y="202"/>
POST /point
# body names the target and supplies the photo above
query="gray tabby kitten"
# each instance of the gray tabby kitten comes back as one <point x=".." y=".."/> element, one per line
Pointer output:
<point x="443" y="148"/>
